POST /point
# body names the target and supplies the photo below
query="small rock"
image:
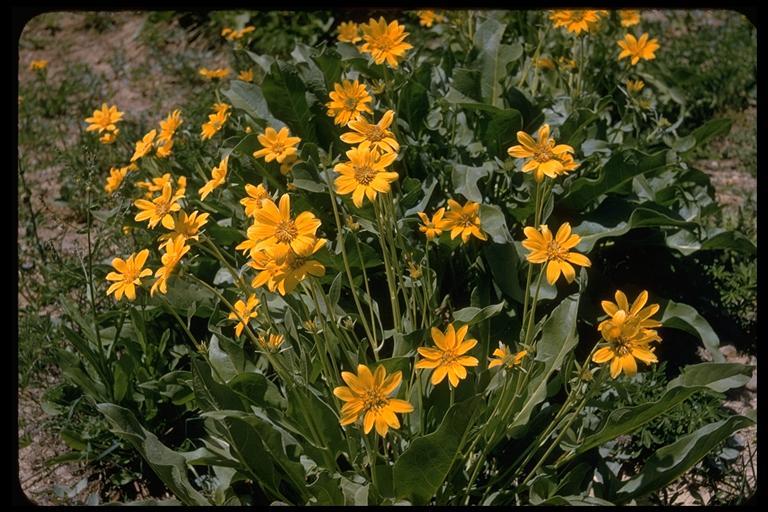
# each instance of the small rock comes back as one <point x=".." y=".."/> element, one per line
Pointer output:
<point x="752" y="384"/>
<point x="728" y="351"/>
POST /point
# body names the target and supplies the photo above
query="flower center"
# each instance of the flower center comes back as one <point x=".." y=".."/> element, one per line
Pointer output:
<point x="553" y="250"/>
<point x="278" y="147"/>
<point x="376" y="134"/>
<point x="622" y="346"/>
<point x="544" y="154"/>
<point x="467" y="221"/>
<point x="447" y="357"/>
<point x="350" y="103"/>
<point x="374" y="400"/>
<point x="286" y="231"/>
<point x="365" y="174"/>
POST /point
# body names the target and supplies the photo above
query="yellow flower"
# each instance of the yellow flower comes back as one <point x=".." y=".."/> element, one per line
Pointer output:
<point x="215" y="121"/>
<point x="164" y="150"/>
<point x="233" y="35"/>
<point x="576" y="21"/>
<point x="287" y="166"/>
<point x="271" y="342"/>
<point x="295" y="266"/>
<point x="638" y="48"/>
<point x="186" y="226"/>
<point x="628" y="334"/>
<point x="544" y="63"/>
<point x="635" y="85"/>
<point x="364" y="174"/>
<point x="545" y="158"/>
<point x="432" y="228"/>
<point x="243" y="312"/>
<point x="104" y="119"/>
<point x="160" y="208"/>
<point x="246" y="75"/>
<point x="115" y="178"/>
<point x="174" y="250"/>
<point x="349" y="32"/>
<point x="368" y="394"/>
<point x="128" y="275"/>
<point x="629" y="17"/>
<point x="566" y="63"/>
<point x="219" y="174"/>
<point x="448" y="358"/>
<point x="348" y="101"/>
<point x="427" y="18"/>
<point x="625" y="317"/>
<point x="156" y="184"/>
<point x="274" y="226"/>
<point x="168" y="127"/>
<point x="554" y="252"/>
<point x="144" y="145"/>
<point x="504" y="357"/>
<point x="463" y="220"/>
<point x="256" y="194"/>
<point x="377" y="134"/>
<point x="384" y="42"/>
<point x="38" y="65"/>
<point x="276" y="145"/>
<point x="210" y="74"/>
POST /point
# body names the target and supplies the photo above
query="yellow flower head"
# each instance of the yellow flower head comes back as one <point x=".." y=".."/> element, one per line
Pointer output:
<point x="502" y="356"/>
<point x="348" y="101"/>
<point x="634" y="85"/>
<point x="448" y="358"/>
<point x="576" y="21"/>
<point x="566" y="63"/>
<point x="638" y="48"/>
<point x="243" y="312"/>
<point x="218" y="175"/>
<point x="109" y="137"/>
<point x="287" y="166"/>
<point x="215" y="121"/>
<point x="427" y="18"/>
<point x="545" y="158"/>
<point x="272" y="342"/>
<point x="160" y="208"/>
<point x="38" y="65"/>
<point x="364" y="174"/>
<point x="432" y="228"/>
<point x="174" y="250"/>
<point x="629" y="17"/>
<point x="294" y="266"/>
<point x="104" y="119"/>
<point x="544" y="63"/>
<point x="464" y="220"/>
<point x="256" y="194"/>
<point x="276" y="145"/>
<point x="246" y="75"/>
<point x="384" y="42"/>
<point x="555" y="252"/>
<point x="367" y="394"/>
<point x="628" y="334"/>
<point x="210" y="74"/>
<point x="274" y="226"/>
<point x="115" y="178"/>
<point x="128" y="275"/>
<point x="233" y="35"/>
<point x="155" y="184"/>
<point x="185" y="226"/>
<point x="168" y="127"/>
<point x="144" y="145"/>
<point x="377" y="134"/>
<point x="349" y="32"/>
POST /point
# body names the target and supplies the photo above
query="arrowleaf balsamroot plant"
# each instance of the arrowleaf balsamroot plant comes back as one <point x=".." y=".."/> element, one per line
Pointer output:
<point x="375" y="215"/>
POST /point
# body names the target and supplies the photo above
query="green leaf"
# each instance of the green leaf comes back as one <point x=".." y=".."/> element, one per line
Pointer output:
<point x="228" y="363"/>
<point x="493" y="223"/>
<point x="473" y="315"/>
<point x="309" y="414"/>
<point x="413" y="105"/>
<point x="621" y="168"/>
<point x="710" y="129"/>
<point x="465" y="178"/>
<point x="249" y="97"/>
<point x="503" y="262"/>
<point x="671" y="461"/>
<point x="421" y="469"/>
<point x="558" y="338"/>
<point x="494" y="57"/>
<point x="733" y="240"/>
<point x="285" y="94"/>
<point x="210" y="394"/>
<point x="467" y="82"/>
<point x="719" y="377"/>
<point x="501" y="131"/>
<point x="167" y="464"/>
<point x="684" y="317"/>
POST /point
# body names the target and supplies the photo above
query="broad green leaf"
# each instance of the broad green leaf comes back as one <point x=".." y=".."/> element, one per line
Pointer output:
<point x="710" y="129"/>
<point x="733" y="240"/>
<point x="413" y="105"/>
<point x="578" y="501"/>
<point x="684" y="317"/>
<point x="285" y="95"/>
<point x="249" y="97"/>
<point x="503" y="262"/>
<point x="617" y="171"/>
<point x="494" y="57"/>
<point x="558" y="338"/>
<point x="167" y="464"/>
<point x="210" y="394"/>
<point x="493" y="223"/>
<point x="421" y="469"/>
<point x="311" y="416"/>
<point x="501" y="131"/>
<point x="671" y="461"/>
<point x="465" y="178"/>
<point x="257" y="390"/>
<point x="467" y="82"/>
<point x="473" y="315"/>
<point x="716" y="376"/>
